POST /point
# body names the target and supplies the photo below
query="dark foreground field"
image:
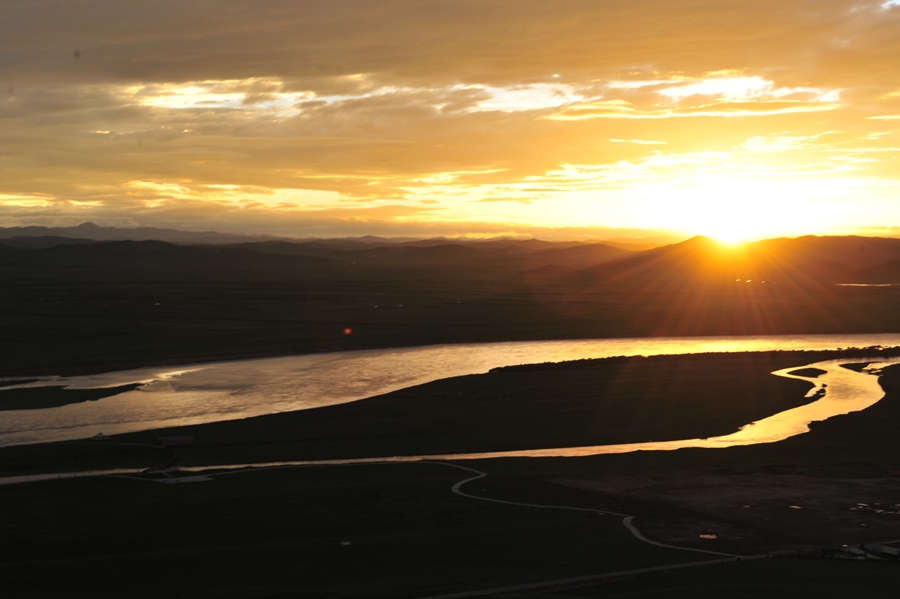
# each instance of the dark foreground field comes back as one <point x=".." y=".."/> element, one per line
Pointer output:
<point x="280" y="533"/>
<point x="772" y="579"/>
<point x="397" y="530"/>
<point x="361" y="531"/>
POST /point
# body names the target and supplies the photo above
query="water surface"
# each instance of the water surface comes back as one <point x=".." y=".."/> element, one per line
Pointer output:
<point x="213" y="392"/>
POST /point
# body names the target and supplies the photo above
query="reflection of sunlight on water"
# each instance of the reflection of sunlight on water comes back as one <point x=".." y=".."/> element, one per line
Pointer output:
<point x="845" y="391"/>
<point x="143" y="376"/>
<point x="174" y="373"/>
<point x="241" y="389"/>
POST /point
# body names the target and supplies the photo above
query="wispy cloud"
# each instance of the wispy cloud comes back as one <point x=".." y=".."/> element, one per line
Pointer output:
<point x="640" y="142"/>
<point x="607" y="110"/>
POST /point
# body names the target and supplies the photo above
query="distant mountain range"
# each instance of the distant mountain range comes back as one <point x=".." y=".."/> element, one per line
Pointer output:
<point x="92" y="232"/>
<point x="697" y="261"/>
<point x="36" y="237"/>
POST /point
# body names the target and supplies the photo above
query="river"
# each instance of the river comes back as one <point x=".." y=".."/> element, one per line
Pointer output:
<point x="212" y="392"/>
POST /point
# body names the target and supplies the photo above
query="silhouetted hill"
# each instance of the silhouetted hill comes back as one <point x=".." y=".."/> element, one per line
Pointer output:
<point x="549" y="273"/>
<point x="118" y="250"/>
<point x="501" y="255"/>
<point x="305" y="248"/>
<point x="851" y="251"/>
<point x="704" y="261"/>
<point x="143" y="261"/>
<point x="578" y="256"/>
<point x="37" y="243"/>
<point x="278" y="258"/>
<point x="450" y="255"/>
<point x="888" y="273"/>
<point x="95" y="232"/>
<point x="699" y="261"/>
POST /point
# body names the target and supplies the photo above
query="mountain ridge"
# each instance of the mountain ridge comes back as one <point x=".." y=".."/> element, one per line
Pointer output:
<point x="92" y="231"/>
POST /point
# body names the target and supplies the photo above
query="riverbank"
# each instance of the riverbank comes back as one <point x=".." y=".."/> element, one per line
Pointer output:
<point x="582" y="403"/>
<point x="214" y="392"/>
<point x="39" y="398"/>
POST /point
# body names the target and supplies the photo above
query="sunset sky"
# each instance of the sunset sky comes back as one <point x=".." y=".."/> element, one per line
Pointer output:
<point x="562" y="119"/>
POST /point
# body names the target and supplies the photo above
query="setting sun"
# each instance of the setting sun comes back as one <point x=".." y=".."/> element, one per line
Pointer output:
<point x="745" y="208"/>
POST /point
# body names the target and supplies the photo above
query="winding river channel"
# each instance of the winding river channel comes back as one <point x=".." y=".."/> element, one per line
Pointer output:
<point x="213" y="392"/>
<point x="842" y="391"/>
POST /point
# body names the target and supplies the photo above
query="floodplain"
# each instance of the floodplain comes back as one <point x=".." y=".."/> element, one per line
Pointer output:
<point x="380" y="530"/>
